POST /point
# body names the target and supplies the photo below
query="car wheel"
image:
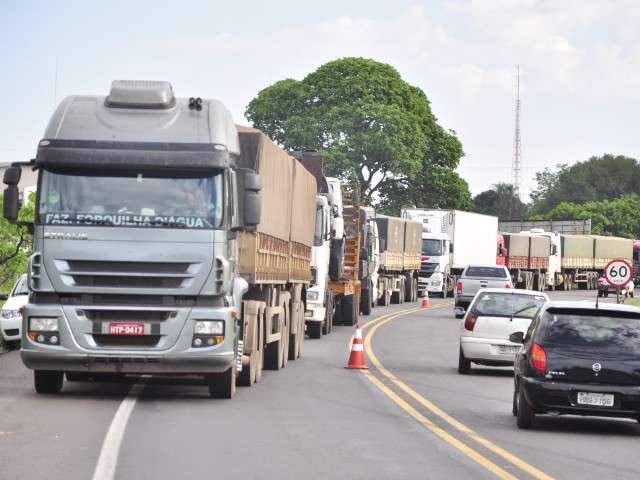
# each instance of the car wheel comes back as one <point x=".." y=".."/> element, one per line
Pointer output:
<point x="464" y="365"/>
<point x="514" y="405"/>
<point x="525" y="415"/>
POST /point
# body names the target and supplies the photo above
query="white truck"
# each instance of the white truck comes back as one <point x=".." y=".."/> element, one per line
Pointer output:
<point x="451" y="240"/>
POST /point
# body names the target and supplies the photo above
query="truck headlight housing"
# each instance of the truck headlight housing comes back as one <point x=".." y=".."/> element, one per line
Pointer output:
<point x="209" y="327"/>
<point x="312" y="296"/>
<point x="43" y="324"/>
<point x="207" y="333"/>
<point x="44" y="330"/>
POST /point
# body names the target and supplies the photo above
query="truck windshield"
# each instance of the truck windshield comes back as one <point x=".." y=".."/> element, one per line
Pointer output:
<point x="431" y="247"/>
<point x="132" y="198"/>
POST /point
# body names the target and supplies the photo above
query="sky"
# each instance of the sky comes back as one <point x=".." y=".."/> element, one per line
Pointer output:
<point x="580" y="64"/>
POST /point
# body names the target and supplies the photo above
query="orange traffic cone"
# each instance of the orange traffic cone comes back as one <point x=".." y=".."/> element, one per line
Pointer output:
<point x="426" y="301"/>
<point x="356" y="359"/>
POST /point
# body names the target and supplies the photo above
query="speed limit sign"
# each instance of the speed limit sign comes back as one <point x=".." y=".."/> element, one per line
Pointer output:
<point x="618" y="273"/>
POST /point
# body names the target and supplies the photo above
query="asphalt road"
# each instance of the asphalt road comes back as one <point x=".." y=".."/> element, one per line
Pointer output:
<point x="410" y="416"/>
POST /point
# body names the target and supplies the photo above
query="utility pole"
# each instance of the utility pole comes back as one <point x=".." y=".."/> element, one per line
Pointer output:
<point x="516" y="163"/>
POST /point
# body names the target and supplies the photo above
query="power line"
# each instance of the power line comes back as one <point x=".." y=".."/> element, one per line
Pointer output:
<point x="516" y="164"/>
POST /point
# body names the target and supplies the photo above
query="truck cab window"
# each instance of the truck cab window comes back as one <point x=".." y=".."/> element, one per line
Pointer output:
<point x="136" y="198"/>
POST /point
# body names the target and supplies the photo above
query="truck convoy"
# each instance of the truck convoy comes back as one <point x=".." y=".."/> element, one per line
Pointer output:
<point x="167" y="241"/>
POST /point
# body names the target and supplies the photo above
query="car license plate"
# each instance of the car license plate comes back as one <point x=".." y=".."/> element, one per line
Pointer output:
<point x="126" y="329"/>
<point x="508" y="348"/>
<point x="596" y="399"/>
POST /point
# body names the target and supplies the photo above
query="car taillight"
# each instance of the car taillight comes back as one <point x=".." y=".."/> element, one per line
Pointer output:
<point x="508" y="285"/>
<point x="470" y="321"/>
<point x="459" y="287"/>
<point x="539" y="358"/>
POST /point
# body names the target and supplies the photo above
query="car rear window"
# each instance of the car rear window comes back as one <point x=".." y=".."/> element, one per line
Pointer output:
<point x="492" y="272"/>
<point x="616" y="332"/>
<point x="491" y="304"/>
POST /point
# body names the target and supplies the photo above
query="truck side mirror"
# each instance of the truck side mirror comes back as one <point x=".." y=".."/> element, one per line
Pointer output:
<point x="11" y="205"/>
<point x="252" y="206"/>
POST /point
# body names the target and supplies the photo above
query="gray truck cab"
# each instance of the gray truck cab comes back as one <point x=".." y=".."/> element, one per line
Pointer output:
<point x="134" y="263"/>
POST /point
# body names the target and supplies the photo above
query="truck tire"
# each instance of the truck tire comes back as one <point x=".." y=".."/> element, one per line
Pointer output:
<point x="349" y="310"/>
<point x="336" y="260"/>
<point x="314" y="329"/>
<point x="329" y="313"/>
<point x="222" y="385"/>
<point x="365" y="306"/>
<point x="396" y="297"/>
<point x="273" y="354"/>
<point x="47" y="381"/>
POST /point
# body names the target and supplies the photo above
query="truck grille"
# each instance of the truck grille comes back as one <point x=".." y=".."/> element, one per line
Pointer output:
<point x="126" y="341"/>
<point x="127" y="315"/>
<point x="123" y="274"/>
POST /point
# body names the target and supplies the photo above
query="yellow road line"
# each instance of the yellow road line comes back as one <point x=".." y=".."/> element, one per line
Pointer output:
<point x="530" y="469"/>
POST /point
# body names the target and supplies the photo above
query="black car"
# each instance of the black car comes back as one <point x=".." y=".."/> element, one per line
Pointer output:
<point x="578" y="359"/>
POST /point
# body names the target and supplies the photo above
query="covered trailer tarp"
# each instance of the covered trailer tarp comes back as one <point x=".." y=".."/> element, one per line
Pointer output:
<point x="391" y="233"/>
<point x="611" y="248"/>
<point x="576" y="251"/>
<point x="412" y="245"/>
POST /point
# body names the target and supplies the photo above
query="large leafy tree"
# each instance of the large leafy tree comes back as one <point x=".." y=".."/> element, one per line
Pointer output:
<point x="371" y="125"/>
<point x="501" y="201"/>
<point x="599" y="178"/>
<point x="608" y="217"/>
<point x="15" y="246"/>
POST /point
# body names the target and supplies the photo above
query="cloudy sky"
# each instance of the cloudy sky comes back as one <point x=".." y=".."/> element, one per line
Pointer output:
<point x="580" y="64"/>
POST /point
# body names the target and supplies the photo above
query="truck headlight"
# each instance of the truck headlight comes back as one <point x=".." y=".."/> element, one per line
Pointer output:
<point x="10" y="313"/>
<point x="209" y="327"/>
<point x="44" y="330"/>
<point x="43" y="324"/>
<point x="312" y="296"/>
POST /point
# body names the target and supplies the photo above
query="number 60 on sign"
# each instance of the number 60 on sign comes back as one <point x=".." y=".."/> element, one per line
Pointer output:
<point x="618" y="273"/>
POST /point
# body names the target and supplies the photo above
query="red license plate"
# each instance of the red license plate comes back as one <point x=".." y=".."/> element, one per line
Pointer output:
<point x="126" y="329"/>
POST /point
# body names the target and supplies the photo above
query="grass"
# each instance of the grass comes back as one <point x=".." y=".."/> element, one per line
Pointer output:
<point x="635" y="302"/>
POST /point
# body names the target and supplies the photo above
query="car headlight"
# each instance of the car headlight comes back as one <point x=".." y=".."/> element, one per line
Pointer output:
<point x="9" y="313"/>
<point x="43" y="324"/>
<point x="209" y="327"/>
<point x="312" y="296"/>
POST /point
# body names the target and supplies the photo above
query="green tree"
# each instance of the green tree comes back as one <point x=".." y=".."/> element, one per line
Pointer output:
<point x="599" y="178"/>
<point x="371" y="125"/>
<point x="501" y="201"/>
<point x="16" y="244"/>
<point x="617" y="217"/>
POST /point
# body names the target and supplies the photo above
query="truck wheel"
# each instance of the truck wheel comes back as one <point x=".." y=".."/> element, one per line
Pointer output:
<point x="314" y="329"/>
<point x="349" y="310"/>
<point x="336" y="260"/>
<point x="366" y="301"/>
<point x="77" y="376"/>
<point x="222" y="385"/>
<point x="395" y="297"/>
<point x="273" y="354"/>
<point x="47" y="381"/>
<point x="328" y="316"/>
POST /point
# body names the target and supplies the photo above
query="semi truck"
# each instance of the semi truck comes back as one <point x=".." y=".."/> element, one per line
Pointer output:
<point x="167" y="241"/>
<point x="327" y="256"/>
<point x="399" y="257"/>
<point x="451" y="240"/>
<point x="541" y="260"/>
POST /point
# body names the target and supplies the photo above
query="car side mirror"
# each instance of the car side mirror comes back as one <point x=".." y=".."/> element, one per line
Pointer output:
<point x="517" y="337"/>
<point x="459" y="312"/>
<point x="4" y="296"/>
<point x="252" y="207"/>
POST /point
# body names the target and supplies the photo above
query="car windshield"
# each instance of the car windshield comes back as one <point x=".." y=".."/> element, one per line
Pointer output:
<point x="491" y="272"/>
<point x="21" y="287"/>
<point x="617" y="332"/>
<point x="431" y="247"/>
<point x="135" y="198"/>
<point x="492" y="304"/>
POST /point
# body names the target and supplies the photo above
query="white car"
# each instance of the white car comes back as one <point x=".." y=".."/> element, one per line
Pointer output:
<point x="10" y="317"/>
<point x="493" y="315"/>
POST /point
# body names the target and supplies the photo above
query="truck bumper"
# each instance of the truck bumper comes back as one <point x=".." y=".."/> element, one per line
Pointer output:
<point x="177" y="356"/>
<point x="122" y="363"/>
<point x="315" y="313"/>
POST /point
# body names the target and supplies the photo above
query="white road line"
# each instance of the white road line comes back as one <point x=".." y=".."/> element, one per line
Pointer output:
<point x="108" y="460"/>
